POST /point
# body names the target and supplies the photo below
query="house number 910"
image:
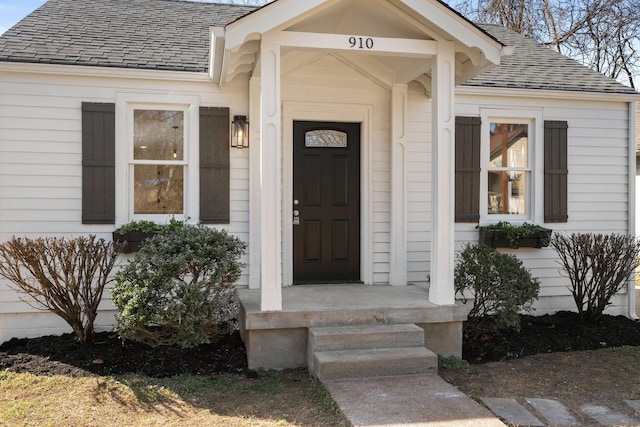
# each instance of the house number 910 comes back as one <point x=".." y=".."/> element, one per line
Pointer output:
<point x="361" y="42"/>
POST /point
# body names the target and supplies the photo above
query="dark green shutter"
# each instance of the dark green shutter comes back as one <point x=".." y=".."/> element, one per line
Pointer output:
<point x="555" y="171"/>
<point x="214" y="165"/>
<point x="467" y="165"/>
<point x="98" y="163"/>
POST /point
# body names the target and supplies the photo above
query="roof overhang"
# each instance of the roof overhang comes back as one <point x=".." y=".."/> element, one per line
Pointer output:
<point x="326" y="25"/>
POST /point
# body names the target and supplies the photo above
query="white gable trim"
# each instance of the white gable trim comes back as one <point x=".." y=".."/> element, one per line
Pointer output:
<point x="243" y="37"/>
<point x="459" y="28"/>
<point x="270" y="17"/>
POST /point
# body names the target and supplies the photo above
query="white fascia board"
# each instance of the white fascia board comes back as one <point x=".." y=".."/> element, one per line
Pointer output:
<point x="378" y="45"/>
<point x="546" y="94"/>
<point x="102" y="72"/>
<point x="216" y="53"/>
<point x="460" y="28"/>
<point x="268" y="18"/>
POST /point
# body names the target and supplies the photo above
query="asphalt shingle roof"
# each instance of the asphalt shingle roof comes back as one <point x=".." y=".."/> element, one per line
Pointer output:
<point x="147" y="34"/>
<point x="174" y="35"/>
<point x="533" y="66"/>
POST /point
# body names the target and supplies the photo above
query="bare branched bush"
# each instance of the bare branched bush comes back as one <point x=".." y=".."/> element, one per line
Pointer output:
<point x="64" y="276"/>
<point x="598" y="266"/>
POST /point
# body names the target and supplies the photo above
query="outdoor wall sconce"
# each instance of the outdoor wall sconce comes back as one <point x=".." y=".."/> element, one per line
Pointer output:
<point x="240" y="132"/>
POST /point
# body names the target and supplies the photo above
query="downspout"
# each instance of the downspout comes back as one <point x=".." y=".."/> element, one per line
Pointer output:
<point x="631" y="286"/>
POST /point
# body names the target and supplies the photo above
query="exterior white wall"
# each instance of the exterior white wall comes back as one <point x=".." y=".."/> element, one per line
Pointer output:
<point x="598" y="184"/>
<point x="41" y="173"/>
<point x="40" y="168"/>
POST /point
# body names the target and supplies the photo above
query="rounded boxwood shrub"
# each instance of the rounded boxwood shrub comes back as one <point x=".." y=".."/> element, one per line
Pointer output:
<point x="178" y="289"/>
<point x="501" y="287"/>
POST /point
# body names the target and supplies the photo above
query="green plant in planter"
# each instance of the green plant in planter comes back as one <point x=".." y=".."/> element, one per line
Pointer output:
<point x="142" y="226"/>
<point x="135" y="233"/>
<point x="505" y="234"/>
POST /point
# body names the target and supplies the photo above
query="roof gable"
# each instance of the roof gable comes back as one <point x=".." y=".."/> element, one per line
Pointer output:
<point x="327" y="24"/>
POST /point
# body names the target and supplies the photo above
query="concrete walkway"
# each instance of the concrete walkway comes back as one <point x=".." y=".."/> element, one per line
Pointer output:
<point x="415" y="400"/>
<point x="429" y="401"/>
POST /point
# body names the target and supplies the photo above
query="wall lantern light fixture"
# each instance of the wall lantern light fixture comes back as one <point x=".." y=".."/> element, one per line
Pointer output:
<point x="240" y="132"/>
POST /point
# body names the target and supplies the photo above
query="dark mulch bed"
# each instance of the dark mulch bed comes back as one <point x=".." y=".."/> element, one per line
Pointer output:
<point x="61" y="355"/>
<point x="560" y="332"/>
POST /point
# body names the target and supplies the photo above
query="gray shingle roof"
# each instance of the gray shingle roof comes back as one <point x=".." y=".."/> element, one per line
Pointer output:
<point x="173" y="35"/>
<point x="147" y="34"/>
<point x="533" y="66"/>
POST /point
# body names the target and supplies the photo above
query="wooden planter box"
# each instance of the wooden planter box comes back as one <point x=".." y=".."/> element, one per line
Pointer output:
<point x="132" y="239"/>
<point x="496" y="238"/>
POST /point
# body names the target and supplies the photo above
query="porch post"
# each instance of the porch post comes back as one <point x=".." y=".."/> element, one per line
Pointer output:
<point x="441" y="290"/>
<point x="270" y="151"/>
<point x="398" y="262"/>
<point x="255" y="211"/>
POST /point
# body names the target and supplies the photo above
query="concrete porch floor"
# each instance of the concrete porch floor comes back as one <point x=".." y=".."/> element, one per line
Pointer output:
<point x="278" y="340"/>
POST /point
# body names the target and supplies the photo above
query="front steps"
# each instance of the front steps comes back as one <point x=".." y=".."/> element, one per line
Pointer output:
<point x="360" y="351"/>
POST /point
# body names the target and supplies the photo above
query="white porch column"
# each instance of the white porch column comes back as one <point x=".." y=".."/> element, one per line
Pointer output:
<point x="398" y="262"/>
<point x="270" y="180"/>
<point x="441" y="290"/>
<point x="255" y="211"/>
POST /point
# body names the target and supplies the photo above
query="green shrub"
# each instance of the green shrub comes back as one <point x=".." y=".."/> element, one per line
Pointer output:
<point x="598" y="267"/>
<point x="178" y="289"/>
<point x="64" y="276"/>
<point x="500" y="285"/>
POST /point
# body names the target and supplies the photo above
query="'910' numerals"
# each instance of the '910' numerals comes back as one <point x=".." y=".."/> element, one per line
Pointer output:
<point x="360" y="42"/>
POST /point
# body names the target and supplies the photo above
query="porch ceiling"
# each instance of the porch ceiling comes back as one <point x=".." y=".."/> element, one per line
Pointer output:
<point x="237" y="47"/>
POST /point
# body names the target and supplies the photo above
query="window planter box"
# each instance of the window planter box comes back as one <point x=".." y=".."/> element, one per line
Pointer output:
<point x="132" y="239"/>
<point x="499" y="238"/>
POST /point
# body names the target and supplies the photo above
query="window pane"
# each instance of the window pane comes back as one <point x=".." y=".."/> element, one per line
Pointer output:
<point x="158" y="135"/>
<point x="508" y="192"/>
<point x="325" y="138"/>
<point x="159" y="189"/>
<point x="509" y="145"/>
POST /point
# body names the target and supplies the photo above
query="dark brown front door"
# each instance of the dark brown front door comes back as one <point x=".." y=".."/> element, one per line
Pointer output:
<point x="326" y="202"/>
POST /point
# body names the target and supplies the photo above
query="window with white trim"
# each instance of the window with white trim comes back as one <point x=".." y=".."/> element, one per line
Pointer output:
<point x="158" y="162"/>
<point x="509" y="171"/>
<point x="510" y="184"/>
<point x="158" y="154"/>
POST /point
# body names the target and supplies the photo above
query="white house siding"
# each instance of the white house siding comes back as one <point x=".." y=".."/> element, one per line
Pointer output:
<point x="330" y="81"/>
<point x="40" y="167"/>
<point x="598" y="180"/>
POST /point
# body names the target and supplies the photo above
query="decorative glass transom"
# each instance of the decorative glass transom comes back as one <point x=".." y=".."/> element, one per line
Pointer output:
<point x="325" y="138"/>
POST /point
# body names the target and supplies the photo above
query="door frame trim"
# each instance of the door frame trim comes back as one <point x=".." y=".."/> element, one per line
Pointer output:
<point x="327" y="112"/>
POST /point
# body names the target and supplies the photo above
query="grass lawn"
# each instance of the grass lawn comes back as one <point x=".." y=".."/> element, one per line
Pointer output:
<point x="287" y="398"/>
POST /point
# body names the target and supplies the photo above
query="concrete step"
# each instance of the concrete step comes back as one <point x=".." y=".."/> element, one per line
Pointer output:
<point x="365" y="336"/>
<point x="380" y="362"/>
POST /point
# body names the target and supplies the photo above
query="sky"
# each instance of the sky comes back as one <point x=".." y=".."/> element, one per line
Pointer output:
<point x="12" y="11"/>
